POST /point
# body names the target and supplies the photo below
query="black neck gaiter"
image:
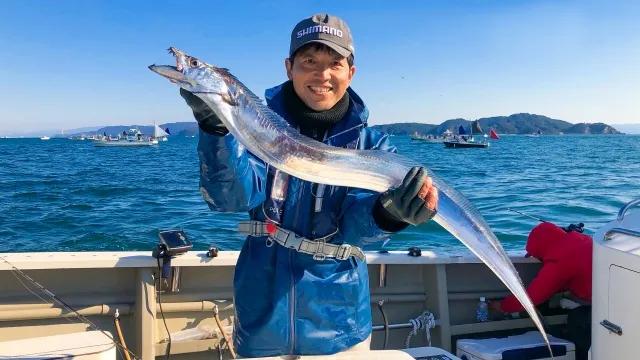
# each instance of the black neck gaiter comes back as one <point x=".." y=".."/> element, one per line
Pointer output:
<point x="312" y="123"/>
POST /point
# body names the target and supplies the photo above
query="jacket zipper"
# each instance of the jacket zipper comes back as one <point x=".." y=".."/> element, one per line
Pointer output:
<point x="343" y="131"/>
<point x="292" y="305"/>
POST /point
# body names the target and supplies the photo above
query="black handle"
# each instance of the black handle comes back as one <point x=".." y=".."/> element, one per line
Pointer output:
<point x="611" y="327"/>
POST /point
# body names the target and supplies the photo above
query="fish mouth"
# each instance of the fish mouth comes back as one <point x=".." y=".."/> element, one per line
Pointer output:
<point x="173" y="73"/>
<point x="170" y="72"/>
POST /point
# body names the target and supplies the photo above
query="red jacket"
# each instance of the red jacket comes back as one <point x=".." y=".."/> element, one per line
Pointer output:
<point x="566" y="265"/>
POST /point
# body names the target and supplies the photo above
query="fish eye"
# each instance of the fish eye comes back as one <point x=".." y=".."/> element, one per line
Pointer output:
<point x="194" y="62"/>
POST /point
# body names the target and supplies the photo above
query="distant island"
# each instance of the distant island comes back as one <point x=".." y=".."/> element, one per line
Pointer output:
<point x="513" y="124"/>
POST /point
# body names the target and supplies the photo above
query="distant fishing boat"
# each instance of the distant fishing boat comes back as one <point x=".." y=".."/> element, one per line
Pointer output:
<point x="159" y="133"/>
<point x="536" y="134"/>
<point x="462" y="140"/>
<point x="418" y="136"/>
<point x="426" y="138"/>
<point x="133" y="137"/>
<point x="44" y="138"/>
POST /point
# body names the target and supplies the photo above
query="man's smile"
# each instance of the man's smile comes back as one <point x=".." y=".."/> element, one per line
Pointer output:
<point x="320" y="90"/>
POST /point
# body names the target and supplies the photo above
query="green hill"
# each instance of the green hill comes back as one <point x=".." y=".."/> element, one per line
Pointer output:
<point x="513" y="124"/>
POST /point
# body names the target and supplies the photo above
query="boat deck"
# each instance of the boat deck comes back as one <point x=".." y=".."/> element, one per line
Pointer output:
<point x="99" y="283"/>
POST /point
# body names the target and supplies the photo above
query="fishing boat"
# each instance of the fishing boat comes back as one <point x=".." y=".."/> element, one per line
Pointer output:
<point x="133" y="137"/>
<point x="420" y="300"/>
<point x="426" y="138"/>
<point x="433" y="139"/>
<point x="475" y="138"/>
<point x="535" y="134"/>
<point x="405" y="290"/>
<point x="45" y="138"/>
<point x="417" y="136"/>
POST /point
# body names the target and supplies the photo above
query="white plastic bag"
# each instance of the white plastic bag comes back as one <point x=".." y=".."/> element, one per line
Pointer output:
<point x="197" y="333"/>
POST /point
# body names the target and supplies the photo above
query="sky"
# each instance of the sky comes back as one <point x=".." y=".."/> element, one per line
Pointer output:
<point x="70" y="64"/>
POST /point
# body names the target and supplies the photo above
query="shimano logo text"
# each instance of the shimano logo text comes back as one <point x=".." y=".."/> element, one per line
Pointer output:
<point x="319" y="29"/>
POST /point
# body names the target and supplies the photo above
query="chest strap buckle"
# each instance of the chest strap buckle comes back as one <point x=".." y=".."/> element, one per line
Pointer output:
<point x="319" y="249"/>
<point x="344" y="252"/>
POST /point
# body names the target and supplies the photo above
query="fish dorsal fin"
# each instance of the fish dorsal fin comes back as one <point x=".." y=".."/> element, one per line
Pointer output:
<point x="240" y="86"/>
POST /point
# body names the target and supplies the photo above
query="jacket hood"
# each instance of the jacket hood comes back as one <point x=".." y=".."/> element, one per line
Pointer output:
<point x="543" y="239"/>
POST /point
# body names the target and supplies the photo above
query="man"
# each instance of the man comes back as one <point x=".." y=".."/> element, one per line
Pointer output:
<point x="301" y="282"/>
<point x="566" y="258"/>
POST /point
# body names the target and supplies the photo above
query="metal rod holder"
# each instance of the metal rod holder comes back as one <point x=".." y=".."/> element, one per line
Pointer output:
<point x="626" y="207"/>
<point x="609" y="234"/>
<point x="382" y="279"/>
<point x="174" y="281"/>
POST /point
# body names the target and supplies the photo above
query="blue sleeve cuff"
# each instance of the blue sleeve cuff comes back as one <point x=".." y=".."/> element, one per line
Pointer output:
<point x="358" y="225"/>
<point x="384" y="220"/>
<point x="231" y="179"/>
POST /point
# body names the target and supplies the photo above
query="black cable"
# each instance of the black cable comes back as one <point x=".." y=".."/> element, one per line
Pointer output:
<point x="386" y="324"/>
<point x="158" y="290"/>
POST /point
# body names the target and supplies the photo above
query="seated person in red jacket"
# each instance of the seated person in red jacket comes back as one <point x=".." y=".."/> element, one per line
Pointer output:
<point x="566" y="258"/>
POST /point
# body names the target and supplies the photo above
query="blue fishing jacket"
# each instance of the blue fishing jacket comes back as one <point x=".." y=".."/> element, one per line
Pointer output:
<point x="286" y="302"/>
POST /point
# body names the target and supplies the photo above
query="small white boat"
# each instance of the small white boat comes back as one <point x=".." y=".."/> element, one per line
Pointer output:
<point x="434" y="139"/>
<point x="45" y="138"/>
<point x="159" y="133"/>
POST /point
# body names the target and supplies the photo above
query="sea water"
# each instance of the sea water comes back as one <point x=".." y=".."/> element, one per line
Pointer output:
<point x="66" y="195"/>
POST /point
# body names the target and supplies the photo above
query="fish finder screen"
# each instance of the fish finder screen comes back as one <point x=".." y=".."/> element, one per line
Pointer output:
<point x="174" y="239"/>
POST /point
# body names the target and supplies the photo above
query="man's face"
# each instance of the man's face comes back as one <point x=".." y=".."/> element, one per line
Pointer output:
<point x="320" y="78"/>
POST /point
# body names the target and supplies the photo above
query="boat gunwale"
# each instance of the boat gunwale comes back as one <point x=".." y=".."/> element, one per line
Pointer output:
<point x="143" y="259"/>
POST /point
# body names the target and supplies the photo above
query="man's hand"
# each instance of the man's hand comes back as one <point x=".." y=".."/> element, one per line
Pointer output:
<point x="205" y="116"/>
<point x="415" y="201"/>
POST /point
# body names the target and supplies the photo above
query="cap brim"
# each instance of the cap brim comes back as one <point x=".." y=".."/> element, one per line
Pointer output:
<point x="339" y="49"/>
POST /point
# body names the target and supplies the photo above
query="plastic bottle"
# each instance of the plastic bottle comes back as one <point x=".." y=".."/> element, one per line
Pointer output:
<point x="482" y="313"/>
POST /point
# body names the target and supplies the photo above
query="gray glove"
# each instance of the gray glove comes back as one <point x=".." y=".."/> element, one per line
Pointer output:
<point x="403" y="203"/>
<point x="205" y="116"/>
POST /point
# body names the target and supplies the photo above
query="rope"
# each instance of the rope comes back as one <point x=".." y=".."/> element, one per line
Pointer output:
<point x="224" y="334"/>
<point x="116" y="323"/>
<point x="426" y="321"/>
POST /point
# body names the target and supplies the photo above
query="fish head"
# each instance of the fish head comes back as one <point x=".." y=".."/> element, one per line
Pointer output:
<point x="196" y="76"/>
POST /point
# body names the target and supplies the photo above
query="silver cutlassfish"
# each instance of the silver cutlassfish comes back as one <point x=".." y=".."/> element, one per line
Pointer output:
<point x="269" y="137"/>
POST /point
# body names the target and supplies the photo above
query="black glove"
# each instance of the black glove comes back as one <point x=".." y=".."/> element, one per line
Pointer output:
<point x="573" y="227"/>
<point x="205" y="116"/>
<point x="403" y="204"/>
